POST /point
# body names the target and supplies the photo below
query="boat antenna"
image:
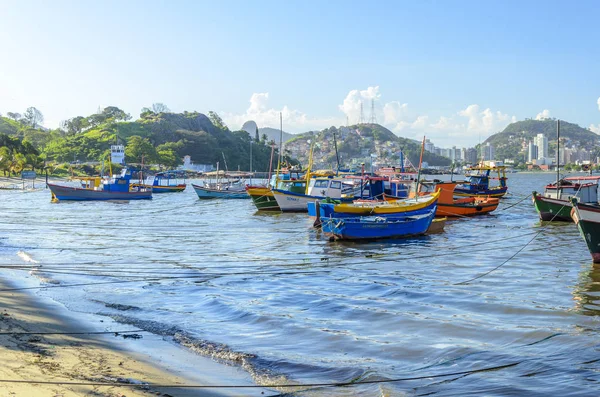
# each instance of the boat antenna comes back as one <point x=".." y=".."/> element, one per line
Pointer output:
<point x="557" y="158"/>
<point x="401" y="161"/>
<point x="337" y="156"/>
<point x="142" y="171"/>
<point x="452" y="172"/>
<point x="225" y="161"/>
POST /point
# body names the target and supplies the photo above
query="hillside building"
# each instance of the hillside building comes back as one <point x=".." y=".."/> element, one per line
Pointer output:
<point x="542" y="145"/>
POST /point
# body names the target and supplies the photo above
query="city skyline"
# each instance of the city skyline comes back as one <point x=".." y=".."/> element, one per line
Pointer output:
<point x="452" y="71"/>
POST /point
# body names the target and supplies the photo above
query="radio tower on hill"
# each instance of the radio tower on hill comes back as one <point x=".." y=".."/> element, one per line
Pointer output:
<point x="373" y="119"/>
<point x="361" y="120"/>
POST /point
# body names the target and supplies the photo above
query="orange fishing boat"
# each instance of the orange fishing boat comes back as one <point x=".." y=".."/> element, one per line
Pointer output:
<point x="451" y="207"/>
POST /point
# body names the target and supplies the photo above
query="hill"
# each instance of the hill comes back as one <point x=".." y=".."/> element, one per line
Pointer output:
<point x="512" y="142"/>
<point x="272" y="134"/>
<point x="363" y="143"/>
<point x="165" y="138"/>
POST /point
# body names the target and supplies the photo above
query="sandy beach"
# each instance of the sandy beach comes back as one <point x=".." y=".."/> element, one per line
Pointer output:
<point x="26" y="357"/>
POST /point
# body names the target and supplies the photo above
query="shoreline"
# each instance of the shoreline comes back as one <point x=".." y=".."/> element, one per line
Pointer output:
<point x="105" y="358"/>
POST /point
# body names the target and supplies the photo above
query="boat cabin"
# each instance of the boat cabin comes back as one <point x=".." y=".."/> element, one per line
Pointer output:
<point x="349" y="187"/>
<point x="584" y="188"/>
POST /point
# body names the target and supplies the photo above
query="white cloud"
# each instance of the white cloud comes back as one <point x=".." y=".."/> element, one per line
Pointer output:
<point x="293" y="120"/>
<point x="594" y="128"/>
<point x="545" y="114"/>
<point x="599" y="103"/>
<point x="485" y="121"/>
<point x="394" y="115"/>
<point x="420" y="123"/>
<point x="352" y="103"/>
<point x="462" y="128"/>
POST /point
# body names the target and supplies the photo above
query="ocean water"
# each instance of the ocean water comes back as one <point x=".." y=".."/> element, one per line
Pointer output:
<point x="271" y="295"/>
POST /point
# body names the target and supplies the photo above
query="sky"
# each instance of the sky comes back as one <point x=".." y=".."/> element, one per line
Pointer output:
<point x="454" y="71"/>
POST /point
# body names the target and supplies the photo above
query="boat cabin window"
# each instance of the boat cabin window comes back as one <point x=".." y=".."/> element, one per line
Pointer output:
<point x="336" y="184"/>
<point x="321" y="183"/>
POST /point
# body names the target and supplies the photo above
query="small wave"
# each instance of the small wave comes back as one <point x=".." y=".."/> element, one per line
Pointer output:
<point x="219" y="352"/>
<point x="26" y="257"/>
<point x="117" y="306"/>
<point x="44" y="278"/>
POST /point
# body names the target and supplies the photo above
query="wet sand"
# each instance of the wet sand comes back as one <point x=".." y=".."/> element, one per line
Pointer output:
<point x="95" y="358"/>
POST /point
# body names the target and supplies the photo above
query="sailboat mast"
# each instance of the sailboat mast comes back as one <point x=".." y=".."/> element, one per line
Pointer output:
<point x="279" y="154"/>
<point x="419" y="172"/>
<point x="557" y="157"/>
<point x="271" y="162"/>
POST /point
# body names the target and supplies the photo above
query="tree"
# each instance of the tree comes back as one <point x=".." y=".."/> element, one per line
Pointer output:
<point x="138" y="147"/>
<point x="168" y="157"/>
<point x="160" y="108"/>
<point x="217" y="121"/>
<point x="17" y="163"/>
<point x="146" y="112"/>
<point x="113" y="113"/>
<point x="75" y="125"/>
<point x="256" y="136"/>
<point x="14" y="116"/>
<point x="5" y="159"/>
<point x="33" y="117"/>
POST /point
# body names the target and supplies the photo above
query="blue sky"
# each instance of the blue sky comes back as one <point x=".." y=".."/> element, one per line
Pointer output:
<point x="456" y="71"/>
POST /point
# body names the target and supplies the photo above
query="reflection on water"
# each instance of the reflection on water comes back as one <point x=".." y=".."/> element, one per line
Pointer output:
<point x="587" y="291"/>
<point x="268" y="293"/>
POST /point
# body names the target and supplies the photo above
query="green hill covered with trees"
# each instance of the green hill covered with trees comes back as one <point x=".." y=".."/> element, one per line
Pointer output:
<point x="157" y="137"/>
<point x="512" y="142"/>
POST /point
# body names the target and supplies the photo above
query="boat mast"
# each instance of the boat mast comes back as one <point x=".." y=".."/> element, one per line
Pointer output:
<point x="279" y="154"/>
<point x="250" y="160"/>
<point x="310" y="164"/>
<point x="271" y="163"/>
<point x="557" y="157"/>
<point x="419" y="172"/>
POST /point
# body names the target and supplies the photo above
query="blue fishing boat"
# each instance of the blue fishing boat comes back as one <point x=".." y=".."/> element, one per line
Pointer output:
<point x="377" y="227"/>
<point x="477" y="183"/>
<point x="164" y="182"/>
<point x="221" y="190"/>
<point x="115" y="188"/>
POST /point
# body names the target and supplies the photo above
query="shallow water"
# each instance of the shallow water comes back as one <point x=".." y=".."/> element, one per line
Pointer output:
<point x="270" y="294"/>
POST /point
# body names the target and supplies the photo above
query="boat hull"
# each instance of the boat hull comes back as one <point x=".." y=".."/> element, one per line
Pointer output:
<point x="67" y="193"/>
<point x="162" y="189"/>
<point x="550" y="209"/>
<point x="587" y="218"/>
<point x="467" y="209"/>
<point x="295" y="202"/>
<point x="494" y="192"/>
<point x="376" y="227"/>
<point x="263" y="198"/>
<point x="205" y="193"/>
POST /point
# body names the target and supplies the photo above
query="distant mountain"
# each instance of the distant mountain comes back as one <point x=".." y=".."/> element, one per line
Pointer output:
<point x="512" y="142"/>
<point x="273" y="134"/>
<point x="363" y="143"/>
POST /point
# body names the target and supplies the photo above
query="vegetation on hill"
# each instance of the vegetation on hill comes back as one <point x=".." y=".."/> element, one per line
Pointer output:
<point x="512" y="142"/>
<point x="161" y="138"/>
